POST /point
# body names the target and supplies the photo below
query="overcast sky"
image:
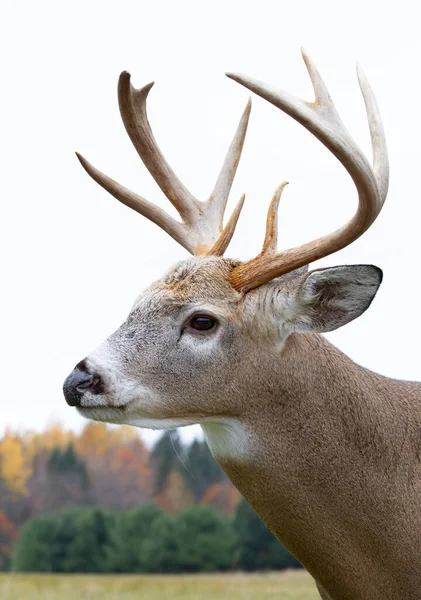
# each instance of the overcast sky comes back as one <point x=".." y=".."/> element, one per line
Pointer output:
<point x="74" y="258"/>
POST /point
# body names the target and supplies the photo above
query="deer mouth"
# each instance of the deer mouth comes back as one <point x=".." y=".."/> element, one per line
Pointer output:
<point x="105" y="413"/>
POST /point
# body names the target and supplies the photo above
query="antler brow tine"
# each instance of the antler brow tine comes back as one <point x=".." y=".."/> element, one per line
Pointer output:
<point x="322" y="120"/>
<point x="271" y="237"/>
<point x="201" y="229"/>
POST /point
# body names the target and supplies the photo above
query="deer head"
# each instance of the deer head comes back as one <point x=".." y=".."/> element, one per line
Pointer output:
<point x="202" y="342"/>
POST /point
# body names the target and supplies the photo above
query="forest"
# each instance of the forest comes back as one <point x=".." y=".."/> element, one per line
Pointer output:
<point x="101" y="501"/>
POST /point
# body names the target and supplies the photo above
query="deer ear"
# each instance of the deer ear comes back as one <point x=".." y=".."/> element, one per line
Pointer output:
<point x="330" y="298"/>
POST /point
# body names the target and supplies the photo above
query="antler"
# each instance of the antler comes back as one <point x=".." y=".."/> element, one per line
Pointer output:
<point x="201" y="231"/>
<point x="322" y="120"/>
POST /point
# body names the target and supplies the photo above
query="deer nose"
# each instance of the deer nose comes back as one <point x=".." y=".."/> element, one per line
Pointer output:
<point x="78" y="382"/>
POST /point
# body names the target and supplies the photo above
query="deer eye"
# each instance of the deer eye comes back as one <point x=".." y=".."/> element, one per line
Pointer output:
<point x="202" y="322"/>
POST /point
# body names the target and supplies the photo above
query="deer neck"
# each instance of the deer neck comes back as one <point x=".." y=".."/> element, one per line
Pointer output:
<point x="321" y="453"/>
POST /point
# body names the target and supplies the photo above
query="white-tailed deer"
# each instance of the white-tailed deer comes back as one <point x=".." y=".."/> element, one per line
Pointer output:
<point x="327" y="452"/>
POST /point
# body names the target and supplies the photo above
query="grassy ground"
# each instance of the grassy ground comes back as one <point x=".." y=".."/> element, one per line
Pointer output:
<point x="290" y="585"/>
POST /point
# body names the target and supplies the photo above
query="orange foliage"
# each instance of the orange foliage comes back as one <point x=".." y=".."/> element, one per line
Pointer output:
<point x="223" y="497"/>
<point x="175" y="496"/>
<point x="94" y="440"/>
<point x="130" y="465"/>
<point x="8" y="534"/>
<point x="121" y="477"/>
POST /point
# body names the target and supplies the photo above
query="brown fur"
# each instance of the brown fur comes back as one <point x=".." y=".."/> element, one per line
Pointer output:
<point x="335" y="471"/>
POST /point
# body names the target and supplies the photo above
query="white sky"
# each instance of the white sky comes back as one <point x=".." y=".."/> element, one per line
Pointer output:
<point x="74" y="258"/>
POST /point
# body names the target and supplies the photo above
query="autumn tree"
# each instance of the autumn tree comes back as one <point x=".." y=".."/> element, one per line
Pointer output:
<point x="94" y="441"/>
<point x="176" y="495"/>
<point x="122" y="478"/>
<point x="14" y="467"/>
<point x="54" y="436"/>
<point x="97" y="439"/>
<point x="223" y="497"/>
<point x="8" y="534"/>
<point x="130" y="469"/>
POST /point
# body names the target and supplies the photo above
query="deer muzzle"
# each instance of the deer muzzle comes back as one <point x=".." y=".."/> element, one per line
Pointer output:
<point x="79" y="382"/>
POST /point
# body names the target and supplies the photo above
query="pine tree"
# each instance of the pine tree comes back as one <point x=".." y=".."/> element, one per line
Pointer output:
<point x="133" y="528"/>
<point x="35" y="547"/>
<point x="203" y="470"/>
<point x="165" y="456"/>
<point x="89" y="548"/>
<point x="67" y="479"/>
<point x="197" y="539"/>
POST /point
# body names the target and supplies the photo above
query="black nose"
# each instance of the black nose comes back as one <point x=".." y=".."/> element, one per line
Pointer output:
<point x="78" y="382"/>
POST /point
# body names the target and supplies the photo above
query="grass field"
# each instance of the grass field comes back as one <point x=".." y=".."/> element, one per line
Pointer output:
<point x="289" y="585"/>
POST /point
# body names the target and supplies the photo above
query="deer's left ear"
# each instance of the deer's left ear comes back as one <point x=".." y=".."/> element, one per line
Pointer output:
<point x="329" y="298"/>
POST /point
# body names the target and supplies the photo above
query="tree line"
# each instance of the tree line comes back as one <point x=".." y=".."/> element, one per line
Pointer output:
<point x="147" y="540"/>
<point x="101" y="501"/>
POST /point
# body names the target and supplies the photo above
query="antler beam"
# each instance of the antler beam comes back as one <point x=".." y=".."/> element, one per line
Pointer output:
<point x="322" y="120"/>
<point x="201" y="231"/>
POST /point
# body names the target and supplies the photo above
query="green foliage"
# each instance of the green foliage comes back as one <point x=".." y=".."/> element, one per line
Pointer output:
<point x="147" y="540"/>
<point x="257" y="546"/>
<point x="67" y="461"/>
<point x="78" y="540"/>
<point x="203" y="470"/>
<point x="197" y="539"/>
<point x="36" y="546"/>
<point x="133" y="529"/>
<point x="89" y="547"/>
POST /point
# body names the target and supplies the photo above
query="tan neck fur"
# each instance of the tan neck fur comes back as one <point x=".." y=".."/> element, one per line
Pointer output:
<point x="333" y="467"/>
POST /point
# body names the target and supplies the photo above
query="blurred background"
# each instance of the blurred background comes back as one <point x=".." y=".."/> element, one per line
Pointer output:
<point x="77" y="497"/>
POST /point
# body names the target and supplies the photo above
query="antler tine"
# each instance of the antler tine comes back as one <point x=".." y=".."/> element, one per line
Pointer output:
<point x="271" y="237"/>
<point x="132" y="104"/>
<point x="152" y="212"/>
<point x="224" y="239"/>
<point x="219" y="196"/>
<point x="322" y="120"/>
<point x="378" y="139"/>
<point x="201" y="231"/>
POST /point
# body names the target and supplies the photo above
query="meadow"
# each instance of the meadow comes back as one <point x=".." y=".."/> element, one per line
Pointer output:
<point x="288" y="585"/>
